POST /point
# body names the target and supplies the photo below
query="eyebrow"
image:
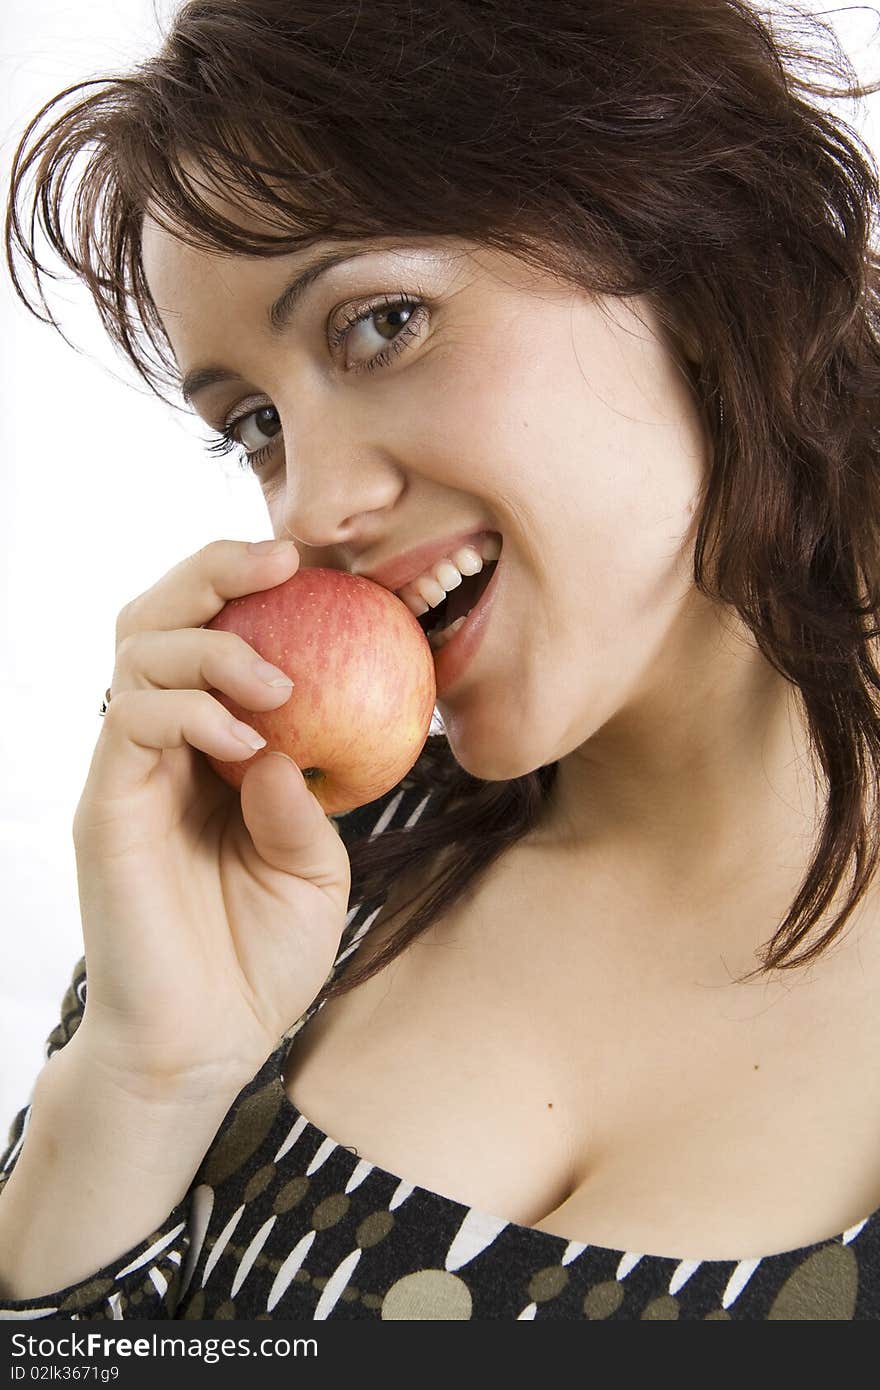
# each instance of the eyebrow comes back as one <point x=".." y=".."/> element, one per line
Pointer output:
<point x="279" y="315"/>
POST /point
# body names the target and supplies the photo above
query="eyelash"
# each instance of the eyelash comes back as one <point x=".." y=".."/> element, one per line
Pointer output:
<point x="226" y="443"/>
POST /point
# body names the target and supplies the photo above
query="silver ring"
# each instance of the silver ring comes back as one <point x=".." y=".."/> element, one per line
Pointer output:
<point x="105" y="702"/>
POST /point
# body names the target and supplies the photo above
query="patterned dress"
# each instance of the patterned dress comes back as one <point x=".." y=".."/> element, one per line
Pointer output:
<point x="283" y="1222"/>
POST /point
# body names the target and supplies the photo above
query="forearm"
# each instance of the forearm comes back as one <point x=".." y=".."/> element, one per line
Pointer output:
<point x="99" y="1170"/>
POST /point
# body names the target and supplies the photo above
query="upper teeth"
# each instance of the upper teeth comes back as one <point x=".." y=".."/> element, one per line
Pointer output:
<point x="430" y="589"/>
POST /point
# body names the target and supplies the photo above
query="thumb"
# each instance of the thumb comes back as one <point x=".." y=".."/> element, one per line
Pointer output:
<point x="288" y="825"/>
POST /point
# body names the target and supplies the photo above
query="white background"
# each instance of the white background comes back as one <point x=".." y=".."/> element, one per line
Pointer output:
<point x="104" y="488"/>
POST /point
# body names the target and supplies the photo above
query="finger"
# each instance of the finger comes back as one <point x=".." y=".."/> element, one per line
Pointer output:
<point x="141" y="724"/>
<point x="194" y="591"/>
<point x="288" y="826"/>
<point x="199" y="659"/>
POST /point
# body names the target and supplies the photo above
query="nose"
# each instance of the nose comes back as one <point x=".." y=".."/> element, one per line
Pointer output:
<point x="339" y="481"/>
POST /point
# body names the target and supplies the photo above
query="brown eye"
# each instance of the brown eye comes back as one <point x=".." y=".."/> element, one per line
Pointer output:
<point x="258" y="428"/>
<point x="391" y="319"/>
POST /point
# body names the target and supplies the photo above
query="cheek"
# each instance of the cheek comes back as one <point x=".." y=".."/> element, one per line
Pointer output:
<point x="631" y="545"/>
<point x="612" y="463"/>
<point x="498" y="422"/>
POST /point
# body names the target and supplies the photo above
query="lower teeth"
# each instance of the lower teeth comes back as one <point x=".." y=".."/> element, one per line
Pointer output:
<point x="439" y="639"/>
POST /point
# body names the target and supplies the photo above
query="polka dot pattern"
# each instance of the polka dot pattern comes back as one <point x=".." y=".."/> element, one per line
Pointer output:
<point x="603" y="1300"/>
<point x="428" y="1294"/>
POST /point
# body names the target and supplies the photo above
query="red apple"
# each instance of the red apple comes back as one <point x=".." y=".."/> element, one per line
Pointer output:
<point x="363" y="683"/>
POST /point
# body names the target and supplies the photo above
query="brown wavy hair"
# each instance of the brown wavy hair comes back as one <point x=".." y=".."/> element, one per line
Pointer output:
<point x="666" y="148"/>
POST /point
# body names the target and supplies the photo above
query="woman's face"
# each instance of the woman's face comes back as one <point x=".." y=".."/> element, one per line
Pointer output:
<point x="516" y="404"/>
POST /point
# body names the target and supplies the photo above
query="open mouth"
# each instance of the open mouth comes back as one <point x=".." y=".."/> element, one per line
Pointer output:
<point x="438" y="623"/>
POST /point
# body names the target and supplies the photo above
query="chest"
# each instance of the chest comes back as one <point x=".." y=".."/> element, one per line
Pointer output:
<point x="562" y="1053"/>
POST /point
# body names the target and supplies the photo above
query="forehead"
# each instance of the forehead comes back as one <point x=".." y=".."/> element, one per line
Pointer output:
<point x="170" y="257"/>
<point x="174" y="266"/>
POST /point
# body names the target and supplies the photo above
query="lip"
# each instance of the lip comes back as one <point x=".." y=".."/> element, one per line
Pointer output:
<point x="451" y="660"/>
<point x="394" y="574"/>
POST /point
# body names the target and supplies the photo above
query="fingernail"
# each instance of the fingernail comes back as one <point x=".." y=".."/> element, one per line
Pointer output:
<point x="269" y="547"/>
<point x="271" y="674"/>
<point x="245" y="734"/>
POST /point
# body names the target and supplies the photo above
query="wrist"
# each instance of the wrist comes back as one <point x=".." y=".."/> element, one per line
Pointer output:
<point x="85" y="1064"/>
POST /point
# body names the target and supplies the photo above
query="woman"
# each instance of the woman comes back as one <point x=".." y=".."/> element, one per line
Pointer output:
<point x="603" y="307"/>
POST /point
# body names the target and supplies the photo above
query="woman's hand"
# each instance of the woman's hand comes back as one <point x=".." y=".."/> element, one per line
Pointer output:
<point x="210" y="919"/>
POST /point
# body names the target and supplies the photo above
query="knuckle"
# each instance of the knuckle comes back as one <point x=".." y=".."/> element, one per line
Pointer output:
<point x="207" y="556"/>
<point x="124" y="647"/>
<point x="77" y="825"/>
<point x="124" y="622"/>
<point x="118" y="708"/>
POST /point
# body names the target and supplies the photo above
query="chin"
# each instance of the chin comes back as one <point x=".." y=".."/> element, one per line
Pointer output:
<point x="491" y="761"/>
